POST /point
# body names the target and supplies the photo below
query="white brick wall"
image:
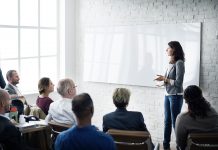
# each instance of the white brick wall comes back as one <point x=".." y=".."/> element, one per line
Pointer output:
<point x="149" y="100"/>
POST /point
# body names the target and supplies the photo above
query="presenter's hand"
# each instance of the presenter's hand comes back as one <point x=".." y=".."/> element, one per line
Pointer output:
<point x="159" y="78"/>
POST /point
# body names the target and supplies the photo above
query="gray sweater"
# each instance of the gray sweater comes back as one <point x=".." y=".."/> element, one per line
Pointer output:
<point x="185" y="124"/>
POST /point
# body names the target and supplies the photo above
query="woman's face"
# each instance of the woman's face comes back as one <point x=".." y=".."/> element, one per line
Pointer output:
<point x="51" y="86"/>
<point x="169" y="51"/>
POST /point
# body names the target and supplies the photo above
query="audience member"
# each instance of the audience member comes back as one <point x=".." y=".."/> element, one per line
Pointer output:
<point x="83" y="136"/>
<point x="200" y="117"/>
<point x="60" y="111"/>
<point x="45" y="87"/>
<point x="10" y="136"/>
<point x="15" y="94"/>
<point x="121" y="118"/>
<point x="2" y="81"/>
<point x="13" y="79"/>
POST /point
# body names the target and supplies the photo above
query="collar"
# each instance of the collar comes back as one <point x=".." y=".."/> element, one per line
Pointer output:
<point x="121" y="109"/>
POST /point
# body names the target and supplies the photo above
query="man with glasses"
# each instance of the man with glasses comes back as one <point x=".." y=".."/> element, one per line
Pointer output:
<point x="60" y="111"/>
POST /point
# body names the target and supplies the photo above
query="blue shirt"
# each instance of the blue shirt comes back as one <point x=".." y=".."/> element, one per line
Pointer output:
<point x="86" y="138"/>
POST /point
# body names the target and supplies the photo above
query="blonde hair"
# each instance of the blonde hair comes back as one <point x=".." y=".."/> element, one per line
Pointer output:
<point x="121" y="97"/>
<point x="64" y="85"/>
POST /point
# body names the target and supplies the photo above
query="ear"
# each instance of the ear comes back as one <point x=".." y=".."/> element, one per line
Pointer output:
<point x="92" y="110"/>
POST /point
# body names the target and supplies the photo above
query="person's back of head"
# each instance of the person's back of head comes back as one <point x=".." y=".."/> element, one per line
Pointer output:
<point x="66" y="88"/>
<point x="4" y="101"/>
<point x="82" y="106"/>
<point x="121" y="97"/>
<point x="44" y="84"/>
<point x="197" y="105"/>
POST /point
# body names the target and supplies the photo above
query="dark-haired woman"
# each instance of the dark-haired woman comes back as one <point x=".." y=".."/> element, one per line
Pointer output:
<point x="200" y="117"/>
<point x="45" y="87"/>
<point x="173" y="81"/>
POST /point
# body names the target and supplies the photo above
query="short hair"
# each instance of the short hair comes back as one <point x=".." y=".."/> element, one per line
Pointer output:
<point x="82" y="105"/>
<point x="178" y="52"/>
<point x="121" y="97"/>
<point x="197" y="104"/>
<point x="9" y="74"/>
<point x="2" y="96"/>
<point x="64" y="85"/>
<point x="43" y="84"/>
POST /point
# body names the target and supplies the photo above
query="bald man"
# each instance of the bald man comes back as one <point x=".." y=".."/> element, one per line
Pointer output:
<point x="10" y="136"/>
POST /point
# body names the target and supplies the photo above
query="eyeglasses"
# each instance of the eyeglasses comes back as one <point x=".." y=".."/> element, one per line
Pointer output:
<point x="74" y="86"/>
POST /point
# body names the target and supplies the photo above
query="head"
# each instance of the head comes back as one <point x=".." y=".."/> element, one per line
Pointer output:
<point x="12" y="77"/>
<point x="121" y="97"/>
<point x="175" y="51"/>
<point x="45" y="85"/>
<point x="66" y="88"/>
<point x="197" y="105"/>
<point x="4" y="101"/>
<point x="82" y="106"/>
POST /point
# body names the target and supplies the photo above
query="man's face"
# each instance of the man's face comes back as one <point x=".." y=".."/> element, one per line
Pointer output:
<point x="15" y="78"/>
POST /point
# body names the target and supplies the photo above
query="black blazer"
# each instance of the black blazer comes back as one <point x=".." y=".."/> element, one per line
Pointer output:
<point x="2" y="81"/>
<point x="10" y="136"/>
<point x="124" y="120"/>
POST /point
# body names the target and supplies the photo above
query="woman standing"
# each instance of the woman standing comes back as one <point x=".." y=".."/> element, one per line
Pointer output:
<point x="45" y="87"/>
<point x="173" y="82"/>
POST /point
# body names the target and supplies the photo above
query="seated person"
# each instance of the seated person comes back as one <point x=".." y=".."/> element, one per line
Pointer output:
<point x="83" y="136"/>
<point x="10" y="136"/>
<point x="16" y="96"/>
<point x="200" y="117"/>
<point x="60" y="111"/>
<point x="121" y="118"/>
<point x="13" y="79"/>
<point x="45" y="87"/>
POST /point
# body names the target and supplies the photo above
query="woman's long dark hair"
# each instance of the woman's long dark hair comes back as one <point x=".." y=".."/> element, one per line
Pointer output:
<point x="178" y="51"/>
<point x="197" y="104"/>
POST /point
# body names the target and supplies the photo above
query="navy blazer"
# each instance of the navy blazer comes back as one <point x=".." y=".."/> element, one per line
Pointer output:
<point x="10" y="136"/>
<point x="124" y="120"/>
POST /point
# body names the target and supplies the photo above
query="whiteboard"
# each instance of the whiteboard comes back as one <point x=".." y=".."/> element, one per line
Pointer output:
<point x="134" y="54"/>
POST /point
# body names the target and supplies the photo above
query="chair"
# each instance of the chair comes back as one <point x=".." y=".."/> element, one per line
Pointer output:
<point x="131" y="140"/>
<point x="57" y="128"/>
<point x="36" y="111"/>
<point x="202" y="141"/>
<point x="19" y="104"/>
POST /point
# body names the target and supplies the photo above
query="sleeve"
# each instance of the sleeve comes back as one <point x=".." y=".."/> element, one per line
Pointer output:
<point x="2" y="81"/>
<point x="181" y="132"/>
<point x="180" y="71"/>
<point x="104" y="127"/>
<point x="111" y="145"/>
<point x="59" y="143"/>
<point x="142" y="125"/>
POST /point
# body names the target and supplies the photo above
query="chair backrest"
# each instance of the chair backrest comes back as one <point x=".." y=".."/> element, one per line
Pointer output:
<point x="131" y="140"/>
<point x="36" y="111"/>
<point x="203" y="141"/>
<point x="57" y="128"/>
<point x="19" y="104"/>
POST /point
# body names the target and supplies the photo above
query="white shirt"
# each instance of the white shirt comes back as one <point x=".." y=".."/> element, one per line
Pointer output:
<point x="61" y="112"/>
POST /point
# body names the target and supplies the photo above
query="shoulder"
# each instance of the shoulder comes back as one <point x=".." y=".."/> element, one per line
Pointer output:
<point x="109" y="115"/>
<point x="183" y="117"/>
<point x="180" y="62"/>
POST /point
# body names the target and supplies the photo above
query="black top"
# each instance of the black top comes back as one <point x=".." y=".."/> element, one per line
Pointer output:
<point x="2" y="81"/>
<point x="10" y="136"/>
